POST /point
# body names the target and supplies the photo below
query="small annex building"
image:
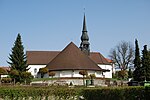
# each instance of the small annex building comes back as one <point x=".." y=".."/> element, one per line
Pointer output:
<point x="72" y="59"/>
<point x="6" y="70"/>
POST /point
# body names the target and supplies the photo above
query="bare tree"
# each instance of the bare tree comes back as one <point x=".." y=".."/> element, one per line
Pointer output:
<point x="122" y="55"/>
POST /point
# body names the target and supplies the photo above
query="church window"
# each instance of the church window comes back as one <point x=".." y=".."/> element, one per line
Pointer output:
<point x="35" y="70"/>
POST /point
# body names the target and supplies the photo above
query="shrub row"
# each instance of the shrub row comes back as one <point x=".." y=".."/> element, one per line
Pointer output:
<point x="37" y="93"/>
<point x="65" y="93"/>
<point x="119" y="93"/>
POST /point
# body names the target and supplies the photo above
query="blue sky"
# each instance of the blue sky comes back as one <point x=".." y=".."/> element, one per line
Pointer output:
<point x="53" y="24"/>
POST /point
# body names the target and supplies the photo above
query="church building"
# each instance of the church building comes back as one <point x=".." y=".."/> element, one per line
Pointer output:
<point x="71" y="60"/>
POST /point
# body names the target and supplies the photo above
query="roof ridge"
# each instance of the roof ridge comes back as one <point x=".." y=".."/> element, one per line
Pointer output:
<point x="71" y="57"/>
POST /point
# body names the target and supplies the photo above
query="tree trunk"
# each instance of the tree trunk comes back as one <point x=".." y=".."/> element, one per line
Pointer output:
<point x="25" y="82"/>
<point x="83" y="81"/>
<point x="14" y="81"/>
<point x="42" y="75"/>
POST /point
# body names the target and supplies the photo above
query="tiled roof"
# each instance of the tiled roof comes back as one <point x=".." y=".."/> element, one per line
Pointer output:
<point x="44" y="57"/>
<point x="40" y="57"/>
<point x="72" y="58"/>
<point x="98" y="58"/>
<point x="109" y="60"/>
<point x="7" y="69"/>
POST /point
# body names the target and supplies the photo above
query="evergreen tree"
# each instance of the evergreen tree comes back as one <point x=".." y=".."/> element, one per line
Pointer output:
<point x="18" y="59"/>
<point x="137" y="63"/>
<point x="148" y="68"/>
<point x="145" y="64"/>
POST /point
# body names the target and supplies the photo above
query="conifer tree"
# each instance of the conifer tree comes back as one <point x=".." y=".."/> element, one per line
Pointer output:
<point x="18" y="59"/>
<point x="148" y="68"/>
<point x="137" y="63"/>
<point x="145" y="64"/>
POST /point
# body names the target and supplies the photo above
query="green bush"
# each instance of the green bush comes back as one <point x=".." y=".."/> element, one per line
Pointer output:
<point x="117" y="93"/>
<point x="35" y="93"/>
<point x="66" y="93"/>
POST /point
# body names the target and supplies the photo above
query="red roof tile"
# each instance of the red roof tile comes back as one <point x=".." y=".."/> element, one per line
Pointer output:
<point x="98" y="58"/>
<point x="109" y="60"/>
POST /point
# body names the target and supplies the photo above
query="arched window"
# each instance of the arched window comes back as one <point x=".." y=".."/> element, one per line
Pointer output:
<point x="35" y="70"/>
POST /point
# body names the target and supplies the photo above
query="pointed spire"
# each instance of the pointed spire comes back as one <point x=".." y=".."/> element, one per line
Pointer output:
<point x="84" y="25"/>
<point x="84" y="46"/>
<point x="84" y="31"/>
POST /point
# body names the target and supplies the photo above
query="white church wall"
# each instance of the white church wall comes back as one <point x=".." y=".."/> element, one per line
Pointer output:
<point x="3" y="76"/>
<point x="75" y="73"/>
<point x="66" y="73"/>
<point x="107" y="67"/>
<point x="57" y="74"/>
<point x="98" y="74"/>
<point x="113" y="68"/>
<point x="34" y="69"/>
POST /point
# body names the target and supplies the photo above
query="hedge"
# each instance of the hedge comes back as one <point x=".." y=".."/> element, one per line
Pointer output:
<point x="66" y="93"/>
<point x="119" y="93"/>
<point x="37" y="93"/>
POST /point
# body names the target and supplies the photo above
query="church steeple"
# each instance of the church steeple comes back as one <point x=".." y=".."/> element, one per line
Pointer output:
<point x="84" y="24"/>
<point x="84" y="46"/>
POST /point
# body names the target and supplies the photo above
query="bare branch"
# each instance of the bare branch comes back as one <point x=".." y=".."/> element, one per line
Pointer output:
<point x="122" y="54"/>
